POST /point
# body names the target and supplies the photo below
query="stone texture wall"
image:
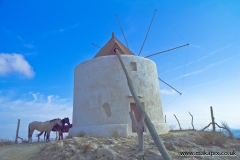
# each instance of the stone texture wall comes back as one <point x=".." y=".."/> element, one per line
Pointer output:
<point x="102" y="97"/>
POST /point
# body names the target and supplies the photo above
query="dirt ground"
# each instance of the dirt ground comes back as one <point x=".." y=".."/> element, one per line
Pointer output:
<point x="22" y="151"/>
<point x="127" y="148"/>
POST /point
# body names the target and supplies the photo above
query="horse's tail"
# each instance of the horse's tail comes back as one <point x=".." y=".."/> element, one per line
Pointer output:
<point x="29" y="131"/>
<point x="38" y="135"/>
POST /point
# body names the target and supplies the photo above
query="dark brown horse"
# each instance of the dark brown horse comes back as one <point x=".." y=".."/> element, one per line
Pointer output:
<point x="64" y="130"/>
<point x="56" y="129"/>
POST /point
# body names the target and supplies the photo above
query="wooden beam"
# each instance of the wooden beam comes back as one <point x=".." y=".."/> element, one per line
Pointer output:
<point x="147" y="120"/>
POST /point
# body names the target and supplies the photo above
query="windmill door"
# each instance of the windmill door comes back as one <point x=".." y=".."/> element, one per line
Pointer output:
<point x="137" y="114"/>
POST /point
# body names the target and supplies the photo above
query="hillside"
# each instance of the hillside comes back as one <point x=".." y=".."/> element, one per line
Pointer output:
<point x="116" y="147"/>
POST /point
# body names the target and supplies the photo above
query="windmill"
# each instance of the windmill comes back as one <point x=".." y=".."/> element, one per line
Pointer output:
<point x="102" y="100"/>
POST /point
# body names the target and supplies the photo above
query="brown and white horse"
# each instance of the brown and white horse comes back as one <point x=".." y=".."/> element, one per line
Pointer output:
<point x="56" y="129"/>
<point x="42" y="126"/>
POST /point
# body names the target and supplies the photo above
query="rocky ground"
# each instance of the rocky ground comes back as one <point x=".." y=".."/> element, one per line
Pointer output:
<point x="119" y="148"/>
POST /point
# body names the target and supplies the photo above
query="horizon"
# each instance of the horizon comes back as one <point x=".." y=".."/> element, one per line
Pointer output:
<point x="43" y="42"/>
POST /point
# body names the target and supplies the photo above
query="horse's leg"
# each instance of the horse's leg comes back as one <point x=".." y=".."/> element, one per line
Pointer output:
<point x="45" y="136"/>
<point x="56" y="135"/>
<point x="48" y="135"/>
<point x="30" y="135"/>
<point x="61" y="135"/>
<point x="38" y="135"/>
<point x="30" y="132"/>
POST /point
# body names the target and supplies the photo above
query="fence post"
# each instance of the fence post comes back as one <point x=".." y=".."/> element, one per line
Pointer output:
<point x="178" y="122"/>
<point x="213" y="123"/>
<point x="17" y="131"/>
<point x="192" y="120"/>
<point x="165" y="119"/>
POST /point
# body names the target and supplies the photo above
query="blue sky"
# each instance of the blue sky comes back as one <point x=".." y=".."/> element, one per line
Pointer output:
<point x="43" y="41"/>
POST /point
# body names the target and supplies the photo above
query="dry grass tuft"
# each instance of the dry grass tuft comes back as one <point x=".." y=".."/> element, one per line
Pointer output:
<point x="172" y="127"/>
<point x="81" y="134"/>
<point x="168" y="137"/>
<point x="5" y="142"/>
<point x="68" y="137"/>
<point x="211" y="138"/>
<point x="227" y="128"/>
<point x="115" y="134"/>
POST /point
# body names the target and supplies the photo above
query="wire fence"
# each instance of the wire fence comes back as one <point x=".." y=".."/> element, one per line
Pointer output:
<point x="199" y="122"/>
<point x="9" y="130"/>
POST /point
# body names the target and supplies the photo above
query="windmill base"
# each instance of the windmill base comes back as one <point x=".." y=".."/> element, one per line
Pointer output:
<point x="112" y="129"/>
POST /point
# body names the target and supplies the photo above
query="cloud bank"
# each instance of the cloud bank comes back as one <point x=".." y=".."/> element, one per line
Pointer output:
<point x="35" y="106"/>
<point x="30" y="107"/>
<point x="168" y="92"/>
<point x="10" y="63"/>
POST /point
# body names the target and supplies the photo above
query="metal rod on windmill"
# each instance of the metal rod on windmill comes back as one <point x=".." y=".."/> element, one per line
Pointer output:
<point x="147" y="120"/>
<point x="96" y="45"/>
<point x="147" y="32"/>
<point x="167" y="50"/>
<point x="170" y="86"/>
<point x="122" y="30"/>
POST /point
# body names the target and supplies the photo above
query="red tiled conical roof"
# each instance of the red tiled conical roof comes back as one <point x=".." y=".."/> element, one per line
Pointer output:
<point x="109" y="47"/>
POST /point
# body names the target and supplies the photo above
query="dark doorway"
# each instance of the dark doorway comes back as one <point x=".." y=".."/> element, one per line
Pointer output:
<point x="137" y="114"/>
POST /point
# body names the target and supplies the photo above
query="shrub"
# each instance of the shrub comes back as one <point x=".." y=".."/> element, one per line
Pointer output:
<point x="5" y="142"/>
<point x="115" y="134"/>
<point x="211" y="138"/>
<point x="68" y="137"/>
<point x="228" y="131"/>
<point x="81" y="134"/>
<point x="172" y="127"/>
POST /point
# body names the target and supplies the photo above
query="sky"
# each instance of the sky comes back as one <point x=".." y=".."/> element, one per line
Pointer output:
<point x="42" y="42"/>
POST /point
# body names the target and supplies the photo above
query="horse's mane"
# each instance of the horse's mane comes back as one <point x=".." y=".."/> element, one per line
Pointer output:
<point x="54" y="120"/>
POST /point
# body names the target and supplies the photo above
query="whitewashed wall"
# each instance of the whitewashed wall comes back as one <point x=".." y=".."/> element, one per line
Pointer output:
<point x="102" y="97"/>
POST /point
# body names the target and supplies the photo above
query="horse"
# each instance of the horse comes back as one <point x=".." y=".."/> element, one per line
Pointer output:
<point x="64" y="130"/>
<point x="56" y="129"/>
<point x="42" y="126"/>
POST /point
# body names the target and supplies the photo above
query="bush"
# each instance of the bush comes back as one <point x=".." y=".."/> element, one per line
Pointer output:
<point x="115" y="134"/>
<point x="211" y="138"/>
<point x="80" y="134"/>
<point x="172" y="127"/>
<point x="227" y="130"/>
<point x="5" y="142"/>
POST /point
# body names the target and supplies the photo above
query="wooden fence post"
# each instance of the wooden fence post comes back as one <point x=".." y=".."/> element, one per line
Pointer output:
<point x="192" y="121"/>
<point x="17" y="131"/>
<point x="178" y="122"/>
<point x="213" y="123"/>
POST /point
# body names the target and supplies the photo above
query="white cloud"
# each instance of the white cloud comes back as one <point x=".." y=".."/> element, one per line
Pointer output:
<point x="200" y="59"/>
<point x="28" y="45"/>
<point x="31" y="107"/>
<point x="15" y="63"/>
<point x="168" y="92"/>
<point x="35" y="106"/>
<point x="207" y="67"/>
<point x="188" y="74"/>
<point x="203" y="84"/>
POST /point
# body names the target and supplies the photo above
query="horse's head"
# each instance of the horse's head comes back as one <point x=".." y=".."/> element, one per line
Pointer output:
<point x="66" y="120"/>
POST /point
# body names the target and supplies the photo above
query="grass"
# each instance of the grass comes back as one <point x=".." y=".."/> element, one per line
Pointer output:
<point x="211" y="138"/>
<point x="68" y="137"/>
<point x="81" y="134"/>
<point x="225" y="125"/>
<point x="171" y="127"/>
<point x="4" y="142"/>
<point x="115" y="134"/>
